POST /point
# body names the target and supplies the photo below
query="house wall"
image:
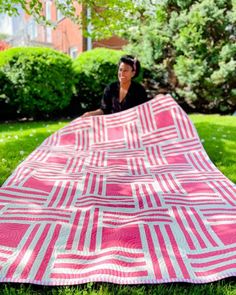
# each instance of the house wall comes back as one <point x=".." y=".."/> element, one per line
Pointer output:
<point x="66" y="36"/>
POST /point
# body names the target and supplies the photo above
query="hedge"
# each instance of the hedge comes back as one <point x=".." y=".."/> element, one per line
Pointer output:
<point x="38" y="81"/>
<point x="94" y="69"/>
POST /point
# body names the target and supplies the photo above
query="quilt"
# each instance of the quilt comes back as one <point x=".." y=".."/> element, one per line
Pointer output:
<point x="127" y="198"/>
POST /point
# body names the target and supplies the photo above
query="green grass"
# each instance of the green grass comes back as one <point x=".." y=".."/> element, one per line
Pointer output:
<point x="18" y="140"/>
<point x="220" y="288"/>
<point x="218" y="135"/>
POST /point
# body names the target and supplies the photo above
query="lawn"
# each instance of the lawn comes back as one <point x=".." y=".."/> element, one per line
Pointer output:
<point x="17" y="140"/>
<point x="218" y="136"/>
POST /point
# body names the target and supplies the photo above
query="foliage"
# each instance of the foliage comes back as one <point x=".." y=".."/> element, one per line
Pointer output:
<point x="94" y="70"/>
<point x="190" y="45"/>
<point x="4" y="84"/>
<point x="11" y="7"/>
<point x="6" y="111"/>
<point x="40" y="80"/>
<point x="3" y="36"/>
<point x="187" y="45"/>
<point x="106" y="17"/>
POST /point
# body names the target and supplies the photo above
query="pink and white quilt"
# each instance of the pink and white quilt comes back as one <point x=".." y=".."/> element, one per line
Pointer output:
<point x="128" y="198"/>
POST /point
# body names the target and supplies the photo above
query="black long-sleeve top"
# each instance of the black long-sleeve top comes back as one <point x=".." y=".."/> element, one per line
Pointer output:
<point x="110" y="101"/>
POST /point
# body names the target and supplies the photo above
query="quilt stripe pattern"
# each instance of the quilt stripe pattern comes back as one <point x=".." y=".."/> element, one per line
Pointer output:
<point x="128" y="198"/>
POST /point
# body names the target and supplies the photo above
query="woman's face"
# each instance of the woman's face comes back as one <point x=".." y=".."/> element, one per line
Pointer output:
<point x="125" y="73"/>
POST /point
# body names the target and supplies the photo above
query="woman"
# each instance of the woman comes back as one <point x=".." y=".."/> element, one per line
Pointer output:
<point x="124" y="93"/>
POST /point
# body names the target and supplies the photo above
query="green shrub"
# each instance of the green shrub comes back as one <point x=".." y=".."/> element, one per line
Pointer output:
<point x="5" y="85"/>
<point x="190" y="46"/>
<point x="40" y="80"/>
<point x="6" y="110"/>
<point x="94" y="70"/>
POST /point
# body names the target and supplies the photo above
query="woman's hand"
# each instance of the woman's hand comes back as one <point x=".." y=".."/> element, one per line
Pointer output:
<point x="93" y="113"/>
<point x="87" y="114"/>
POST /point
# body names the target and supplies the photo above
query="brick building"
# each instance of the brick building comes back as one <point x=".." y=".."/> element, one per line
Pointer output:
<point x="65" y="36"/>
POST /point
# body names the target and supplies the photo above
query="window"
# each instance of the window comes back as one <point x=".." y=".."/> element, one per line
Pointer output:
<point x="48" y="10"/>
<point x="60" y="15"/>
<point x="48" y="34"/>
<point x="73" y="52"/>
<point x="32" y="30"/>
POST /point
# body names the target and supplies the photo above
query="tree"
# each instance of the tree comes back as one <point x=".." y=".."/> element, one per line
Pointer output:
<point x="186" y="44"/>
<point x="107" y="17"/>
<point x="190" y="45"/>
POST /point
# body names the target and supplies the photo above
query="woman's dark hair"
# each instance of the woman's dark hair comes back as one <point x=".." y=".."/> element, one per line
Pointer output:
<point x="131" y="61"/>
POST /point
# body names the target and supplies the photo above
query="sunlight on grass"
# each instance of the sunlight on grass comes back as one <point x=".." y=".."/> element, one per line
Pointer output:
<point x="18" y="140"/>
<point x="218" y="135"/>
